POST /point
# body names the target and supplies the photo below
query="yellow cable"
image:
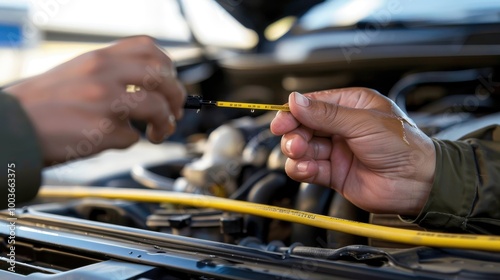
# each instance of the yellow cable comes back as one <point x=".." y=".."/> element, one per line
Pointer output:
<point x="413" y="237"/>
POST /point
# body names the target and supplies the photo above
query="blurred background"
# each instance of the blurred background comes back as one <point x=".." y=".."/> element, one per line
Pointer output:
<point x="320" y="42"/>
<point x="259" y="49"/>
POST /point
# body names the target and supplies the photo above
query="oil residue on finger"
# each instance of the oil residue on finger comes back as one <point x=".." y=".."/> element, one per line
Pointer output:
<point x="396" y="112"/>
<point x="402" y="121"/>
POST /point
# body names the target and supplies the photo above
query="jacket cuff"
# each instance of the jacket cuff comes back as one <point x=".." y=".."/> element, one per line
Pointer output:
<point x="453" y="191"/>
<point x="20" y="154"/>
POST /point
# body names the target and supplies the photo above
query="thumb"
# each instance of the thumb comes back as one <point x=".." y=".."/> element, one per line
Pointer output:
<point x="328" y="117"/>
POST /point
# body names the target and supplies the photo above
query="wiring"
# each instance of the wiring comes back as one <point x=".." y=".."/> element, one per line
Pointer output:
<point x="413" y="237"/>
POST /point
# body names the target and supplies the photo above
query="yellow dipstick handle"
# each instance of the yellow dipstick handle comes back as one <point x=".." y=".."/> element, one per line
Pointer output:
<point x="413" y="237"/>
<point x="252" y="106"/>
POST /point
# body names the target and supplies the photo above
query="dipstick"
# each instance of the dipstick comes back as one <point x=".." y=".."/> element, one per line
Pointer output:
<point x="197" y="102"/>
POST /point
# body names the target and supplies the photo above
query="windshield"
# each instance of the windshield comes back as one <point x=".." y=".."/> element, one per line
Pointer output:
<point x="344" y="13"/>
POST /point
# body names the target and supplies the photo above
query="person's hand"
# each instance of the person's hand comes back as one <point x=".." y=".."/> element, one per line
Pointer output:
<point x="359" y="143"/>
<point x="83" y="107"/>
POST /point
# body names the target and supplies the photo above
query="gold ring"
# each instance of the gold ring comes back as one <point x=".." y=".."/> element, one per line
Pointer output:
<point x="132" y="88"/>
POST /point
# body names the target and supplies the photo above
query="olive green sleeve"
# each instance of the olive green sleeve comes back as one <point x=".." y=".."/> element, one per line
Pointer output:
<point x="465" y="196"/>
<point x="20" y="154"/>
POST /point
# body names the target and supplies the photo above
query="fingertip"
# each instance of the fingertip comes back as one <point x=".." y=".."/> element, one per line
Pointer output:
<point x="155" y="135"/>
<point x="299" y="99"/>
<point x="158" y="133"/>
<point x="288" y="146"/>
<point x="302" y="166"/>
<point x="294" y="145"/>
<point x="307" y="169"/>
<point x="171" y="128"/>
<point x="301" y="170"/>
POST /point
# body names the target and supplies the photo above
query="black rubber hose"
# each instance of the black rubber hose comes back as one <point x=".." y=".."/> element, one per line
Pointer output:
<point x="342" y="208"/>
<point x="315" y="199"/>
<point x="242" y="192"/>
<point x="272" y="186"/>
<point x="404" y="86"/>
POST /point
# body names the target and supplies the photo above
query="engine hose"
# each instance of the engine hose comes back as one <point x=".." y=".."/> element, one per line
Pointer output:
<point x="413" y="237"/>
<point x="405" y="85"/>
<point x="316" y="199"/>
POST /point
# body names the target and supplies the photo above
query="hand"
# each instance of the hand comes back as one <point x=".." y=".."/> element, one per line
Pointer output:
<point x="82" y="107"/>
<point x="359" y="143"/>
